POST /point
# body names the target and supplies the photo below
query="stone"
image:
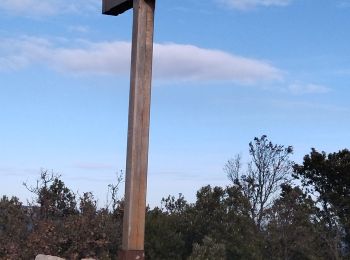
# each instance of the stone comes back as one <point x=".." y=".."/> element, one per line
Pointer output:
<point x="47" y="257"/>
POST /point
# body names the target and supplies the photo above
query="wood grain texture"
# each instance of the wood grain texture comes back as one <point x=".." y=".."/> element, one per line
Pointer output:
<point x="138" y="129"/>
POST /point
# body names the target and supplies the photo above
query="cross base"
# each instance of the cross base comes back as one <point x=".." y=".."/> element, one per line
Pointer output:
<point x="131" y="255"/>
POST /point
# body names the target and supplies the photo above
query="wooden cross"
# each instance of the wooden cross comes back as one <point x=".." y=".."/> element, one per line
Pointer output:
<point x="139" y="116"/>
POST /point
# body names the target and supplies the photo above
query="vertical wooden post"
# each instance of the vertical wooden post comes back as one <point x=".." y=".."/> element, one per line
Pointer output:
<point x="138" y="130"/>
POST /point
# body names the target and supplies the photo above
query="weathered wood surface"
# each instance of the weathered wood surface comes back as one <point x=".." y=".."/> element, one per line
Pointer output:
<point x="138" y="129"/>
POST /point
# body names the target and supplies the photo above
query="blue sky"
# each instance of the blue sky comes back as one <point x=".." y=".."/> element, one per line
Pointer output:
<point x="225" y="71"/>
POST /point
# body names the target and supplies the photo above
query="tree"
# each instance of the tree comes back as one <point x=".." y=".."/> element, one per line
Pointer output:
<point x="218" y="222"/>
<point x="14" y="228"/>
<point x="269" y="168"/>
<point x="114" y="202"/>
<point x="63" y="227"/>
<point x="327" y="178"/>
<point x="292" y="230"/>
<point x="164" y="236"/>
<point x="52" y="195"/>
<point x="223" y="215"/>
<point x="209" y="249"/>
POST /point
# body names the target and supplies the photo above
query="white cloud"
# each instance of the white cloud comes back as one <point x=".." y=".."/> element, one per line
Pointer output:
<point x="93" y="166"/>
<point x="343" y="4"/>
<point x="249" y="4"/>
<point x="301" y="89"/>
<point x="342" y="72"/>
<point x="16" y="54"/>
<point x="171" y="61"/>
<point x="309" y="105"/>
<point x="93" y="58"/>
<point x="193" y="63"/>
<point x="30" y="6"/>
<point x="47" y="7"/>
<point x="79" y="29"/>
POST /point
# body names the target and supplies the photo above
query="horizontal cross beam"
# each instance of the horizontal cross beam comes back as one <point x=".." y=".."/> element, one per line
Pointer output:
<point x="116" y="7"/>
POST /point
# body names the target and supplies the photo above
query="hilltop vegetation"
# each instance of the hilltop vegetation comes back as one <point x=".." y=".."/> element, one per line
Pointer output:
<point x="271" y="209"/>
